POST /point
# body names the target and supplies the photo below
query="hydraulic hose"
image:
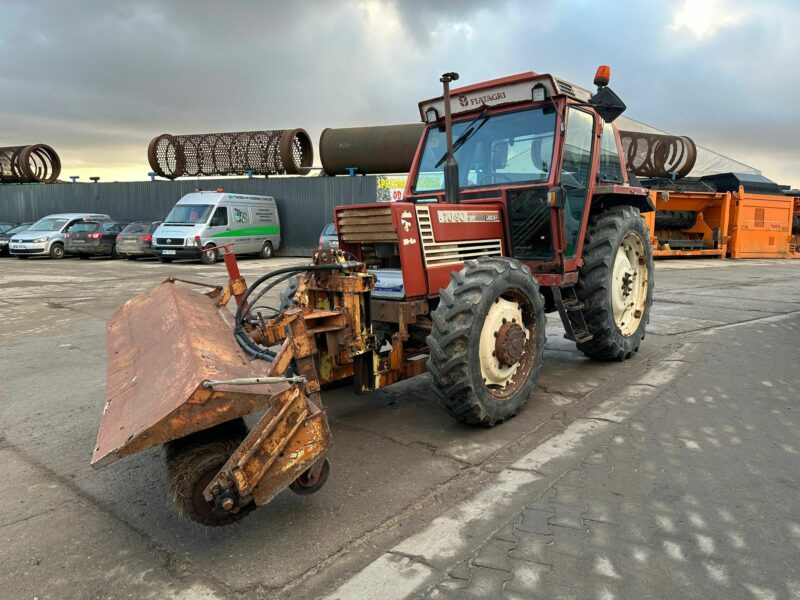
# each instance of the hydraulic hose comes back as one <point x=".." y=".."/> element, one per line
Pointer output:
<point x="244" y="340"/>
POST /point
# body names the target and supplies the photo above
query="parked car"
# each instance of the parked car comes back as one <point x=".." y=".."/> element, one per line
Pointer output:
<point x="46" y="236"/>
<point x="200" y="221"/>
<point x="7" y="226"/>
<point x="87" y="239"/>
<point x="136" y="240"/>
<point x="329" y="238"/>
<point x="5" y="237"/>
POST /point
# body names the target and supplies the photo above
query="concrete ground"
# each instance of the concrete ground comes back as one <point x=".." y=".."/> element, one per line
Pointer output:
<point x="672" y="475"/>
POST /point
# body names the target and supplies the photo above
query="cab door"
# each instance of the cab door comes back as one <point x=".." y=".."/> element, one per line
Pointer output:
<point x="575" y="175"/>
<point x="219" y="229"/>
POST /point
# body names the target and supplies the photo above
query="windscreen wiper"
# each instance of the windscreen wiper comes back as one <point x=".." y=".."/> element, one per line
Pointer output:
<point x="471" y="130"/>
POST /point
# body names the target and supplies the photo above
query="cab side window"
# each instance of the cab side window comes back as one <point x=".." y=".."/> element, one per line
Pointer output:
<point x="575" y="168"/>
<point x="220" y="218"/>
<point x="610" y="167"/>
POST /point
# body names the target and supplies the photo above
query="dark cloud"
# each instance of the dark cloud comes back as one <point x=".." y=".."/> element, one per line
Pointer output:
<point x="98" y="79"/>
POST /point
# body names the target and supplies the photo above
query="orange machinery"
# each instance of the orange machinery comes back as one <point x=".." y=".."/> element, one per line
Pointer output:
<point x="689" y="223"/>
<point x="794" y="244"/>
<point x="760" y="224"/>
<point x="731" y="214"/>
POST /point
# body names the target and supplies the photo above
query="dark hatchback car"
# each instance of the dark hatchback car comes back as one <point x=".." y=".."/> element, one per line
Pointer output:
<point x="5" y="236"/>
<point x="86" y="239"/>
<point x="4" y="227"/>
<point x="329" y="238"/>
<point x="136" y="240"/>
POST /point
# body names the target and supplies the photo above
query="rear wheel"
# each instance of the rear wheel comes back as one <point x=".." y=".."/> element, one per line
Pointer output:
<point x="209" y="255"/>
<point x="114" y="253"/>
<point x="129" y="257"/>
<point x="487" y="341"/>
<point x="266" y="250"/>
<point x="83" y="256"/>
<point x="20" y="256"/>
<point x="193" y="461"/>
<point x="57" y="251"/>
<point x="615" y="283"/>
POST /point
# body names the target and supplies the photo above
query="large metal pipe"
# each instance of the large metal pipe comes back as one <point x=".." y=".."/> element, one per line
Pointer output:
<point x="276" y="152"/>
<point x="369" y="150"/>
<point x="658" y="155"/>
<point x="36" y="163"/>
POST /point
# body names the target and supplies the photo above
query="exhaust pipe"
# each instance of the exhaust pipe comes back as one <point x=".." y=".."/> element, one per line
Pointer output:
<point x="452" y="192"/>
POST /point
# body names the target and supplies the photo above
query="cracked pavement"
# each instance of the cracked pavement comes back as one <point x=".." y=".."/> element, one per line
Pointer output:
<point x="616" y="481"/>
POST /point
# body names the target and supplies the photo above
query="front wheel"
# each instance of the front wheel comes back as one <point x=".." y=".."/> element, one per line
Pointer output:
<point x="209" y="255"/>
<point x="487" y="340"/>
<point x="57" y="251"/>
<point x="615" y="283"/>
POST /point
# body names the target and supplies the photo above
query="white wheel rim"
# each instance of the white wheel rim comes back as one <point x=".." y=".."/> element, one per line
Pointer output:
<point x="629" y="284"/>
<point x="501" y="311"/>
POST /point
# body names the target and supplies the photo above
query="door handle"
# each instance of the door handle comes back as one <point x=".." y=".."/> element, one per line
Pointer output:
<point x="228" y="229"/>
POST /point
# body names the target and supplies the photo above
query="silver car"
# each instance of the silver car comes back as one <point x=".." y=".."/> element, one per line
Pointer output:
<point x="46" y="236"/>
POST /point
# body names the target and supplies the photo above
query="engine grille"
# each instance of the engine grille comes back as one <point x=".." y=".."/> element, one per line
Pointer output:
<point x="367" y="225"/>
<point x="169" y="241"/>
<point x="447" y="253"/>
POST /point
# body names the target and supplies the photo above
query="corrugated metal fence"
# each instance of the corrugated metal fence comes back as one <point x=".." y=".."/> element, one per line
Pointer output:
<point x="305" y="204"/>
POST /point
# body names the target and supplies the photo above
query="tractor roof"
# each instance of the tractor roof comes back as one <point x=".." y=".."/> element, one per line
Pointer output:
<point x="505" y="90"/>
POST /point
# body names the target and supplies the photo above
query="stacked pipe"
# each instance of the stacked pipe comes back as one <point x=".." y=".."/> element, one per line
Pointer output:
<point x="369" y="150"/>
<point x="659" y="156"/>
<point x="277" y="152"/>
<point x="36" y="163"/>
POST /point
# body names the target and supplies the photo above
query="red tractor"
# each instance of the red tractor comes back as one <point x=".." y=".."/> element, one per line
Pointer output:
<point x="529" y="210"/>
<point x="518" y="204"/>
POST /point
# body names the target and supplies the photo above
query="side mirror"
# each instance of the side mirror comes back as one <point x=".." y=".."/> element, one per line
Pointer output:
<point x="607" y="104"/>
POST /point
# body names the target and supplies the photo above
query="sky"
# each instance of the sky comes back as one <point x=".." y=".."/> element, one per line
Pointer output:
<point x="97" y="79"/>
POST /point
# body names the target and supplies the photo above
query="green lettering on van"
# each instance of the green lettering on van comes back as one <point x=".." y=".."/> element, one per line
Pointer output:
<point x="267" y="230"/>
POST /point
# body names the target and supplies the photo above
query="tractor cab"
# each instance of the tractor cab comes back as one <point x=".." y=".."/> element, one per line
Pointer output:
<point x="539" y="148"/>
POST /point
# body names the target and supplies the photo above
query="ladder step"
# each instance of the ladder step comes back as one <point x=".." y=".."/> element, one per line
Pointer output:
<point x="580" y="337"/>
<point x="573" y="304"/>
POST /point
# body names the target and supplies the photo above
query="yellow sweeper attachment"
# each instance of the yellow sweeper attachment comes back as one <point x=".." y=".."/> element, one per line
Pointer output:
<point x="177" y="376"/>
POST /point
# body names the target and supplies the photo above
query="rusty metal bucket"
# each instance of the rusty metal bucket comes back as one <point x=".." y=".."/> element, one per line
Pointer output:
<point x="162" y="345"/>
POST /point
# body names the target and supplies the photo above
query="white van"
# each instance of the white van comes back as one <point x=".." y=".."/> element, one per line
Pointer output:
<point x="201" y="221"/>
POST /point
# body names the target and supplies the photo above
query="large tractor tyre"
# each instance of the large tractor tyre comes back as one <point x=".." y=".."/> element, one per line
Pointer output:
<point x="487" y="341"/>
<point x="615" y="283"/>
<point x="287" y="295"/>
<point x="193" y="461"/>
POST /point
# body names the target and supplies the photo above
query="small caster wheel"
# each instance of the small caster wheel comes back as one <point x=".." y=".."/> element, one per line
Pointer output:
<point x="310" y="482"/>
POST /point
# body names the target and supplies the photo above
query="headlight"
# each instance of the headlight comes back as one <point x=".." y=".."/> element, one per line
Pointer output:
<point x="39" y="240"/>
